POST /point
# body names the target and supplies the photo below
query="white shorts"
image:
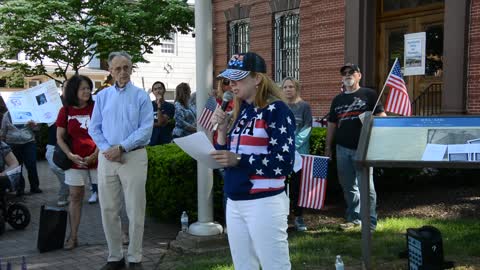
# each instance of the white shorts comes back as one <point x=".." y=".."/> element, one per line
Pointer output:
<point x="76" y="177"/>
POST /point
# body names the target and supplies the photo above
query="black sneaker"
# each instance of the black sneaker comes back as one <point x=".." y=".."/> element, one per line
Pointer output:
<point x="119" y="265"/>
<point x="35" y="190"/>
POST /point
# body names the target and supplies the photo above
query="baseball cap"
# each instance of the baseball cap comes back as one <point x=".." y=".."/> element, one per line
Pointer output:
<point x="240" y="65"/>
<point x="350" y="66"/>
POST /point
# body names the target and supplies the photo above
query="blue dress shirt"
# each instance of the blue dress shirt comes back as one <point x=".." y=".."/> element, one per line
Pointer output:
<point x="121" y="116"/>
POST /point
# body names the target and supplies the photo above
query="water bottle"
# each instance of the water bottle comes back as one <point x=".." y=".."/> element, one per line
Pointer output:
<point x="339" y="263"/>
<point x="184" y="221"/>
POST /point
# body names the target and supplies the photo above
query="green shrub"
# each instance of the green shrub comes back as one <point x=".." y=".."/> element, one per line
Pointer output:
<point x="172" y="184"/>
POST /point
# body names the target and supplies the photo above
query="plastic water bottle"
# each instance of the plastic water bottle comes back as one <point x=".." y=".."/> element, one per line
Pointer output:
<point x="184" y="221"/>
<point x="339" y="263"/>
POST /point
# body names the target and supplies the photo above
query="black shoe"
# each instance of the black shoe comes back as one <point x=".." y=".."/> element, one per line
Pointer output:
<point x="120" y="265"/>
<point x="137" y="266"/>
<point x="35" y="190"/>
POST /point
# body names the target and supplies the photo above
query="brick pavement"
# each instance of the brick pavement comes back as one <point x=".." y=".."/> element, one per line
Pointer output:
<point x="92" y="250"/>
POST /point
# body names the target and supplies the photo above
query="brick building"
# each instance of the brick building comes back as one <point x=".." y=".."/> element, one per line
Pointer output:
<point x="311" y="39"/>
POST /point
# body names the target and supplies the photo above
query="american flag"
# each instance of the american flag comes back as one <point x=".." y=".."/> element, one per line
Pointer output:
<point x="204" y="119"/>
<point x="313" y="183"/>
<point x="397" y="100"/>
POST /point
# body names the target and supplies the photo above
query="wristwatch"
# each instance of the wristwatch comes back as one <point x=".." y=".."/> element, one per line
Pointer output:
<point x="238" y="157"/>
<point x="120" y="147"/>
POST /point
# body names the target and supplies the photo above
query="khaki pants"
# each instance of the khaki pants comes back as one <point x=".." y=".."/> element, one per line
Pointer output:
<point x="129" y="177"/>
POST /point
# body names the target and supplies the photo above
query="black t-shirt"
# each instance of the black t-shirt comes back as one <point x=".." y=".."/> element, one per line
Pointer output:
<point x="345" y="109"/>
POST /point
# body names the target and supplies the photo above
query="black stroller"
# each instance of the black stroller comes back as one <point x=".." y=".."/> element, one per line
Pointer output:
<point x="12" y="212"/>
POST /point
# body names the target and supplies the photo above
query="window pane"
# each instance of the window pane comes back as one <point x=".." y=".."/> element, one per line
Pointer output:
<point x="238" y="37"/>
<point x="287" y="45"/>
<point x="391" y="5"/>
<point x="434" y="51"/>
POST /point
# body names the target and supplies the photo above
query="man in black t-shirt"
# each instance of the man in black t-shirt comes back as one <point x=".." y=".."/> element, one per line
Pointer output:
<point x="344" y="128"/>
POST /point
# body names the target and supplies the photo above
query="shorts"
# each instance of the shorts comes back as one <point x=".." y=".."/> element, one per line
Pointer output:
<point x="76" y="177"/>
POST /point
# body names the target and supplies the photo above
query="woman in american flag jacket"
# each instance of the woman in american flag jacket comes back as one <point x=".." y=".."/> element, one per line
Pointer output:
<point x="258" y="152"/>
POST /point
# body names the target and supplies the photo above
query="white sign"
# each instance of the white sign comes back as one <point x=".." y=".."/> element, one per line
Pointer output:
<point x="414" y="60"/>
<point x="40" y="104"/>
<point x="198" y="147"/>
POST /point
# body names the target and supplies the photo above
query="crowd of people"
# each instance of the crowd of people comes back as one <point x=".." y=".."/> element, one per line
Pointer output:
<point x="104" y="136"/>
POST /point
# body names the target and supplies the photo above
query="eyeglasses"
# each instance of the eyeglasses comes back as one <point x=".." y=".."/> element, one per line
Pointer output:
<point x="348" y="72"/>
<point x="226" y="82"/>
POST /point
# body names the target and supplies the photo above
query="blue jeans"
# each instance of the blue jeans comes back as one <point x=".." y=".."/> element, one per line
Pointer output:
<point x="63" y="191"/>
<point x="349" y="176"/>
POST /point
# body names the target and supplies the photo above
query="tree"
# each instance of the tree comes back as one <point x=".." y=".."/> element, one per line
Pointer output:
<point x="70" y="33"/>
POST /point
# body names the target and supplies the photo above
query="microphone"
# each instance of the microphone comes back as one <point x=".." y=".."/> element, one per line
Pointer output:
<point x="227" y="97"/>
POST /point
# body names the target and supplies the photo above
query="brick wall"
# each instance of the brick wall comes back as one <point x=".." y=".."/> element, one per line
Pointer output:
<point x="473" y="80"/>
<point x="321" y="44"/>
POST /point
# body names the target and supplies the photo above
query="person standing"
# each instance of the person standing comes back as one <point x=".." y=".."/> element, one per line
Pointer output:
<point x="63" y="191"/>
<point x="303" y="119"/>
<point x="163" y="113"/>
<point x="73" y="122"/>
<point x="185" y="115"/>
<point x="257" y="152"/>
<point x="121" y="126"/>
<point x="21" y="138"/>
<point x="344" y="127"/>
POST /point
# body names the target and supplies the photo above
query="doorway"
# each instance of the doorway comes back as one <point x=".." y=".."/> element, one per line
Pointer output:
<point x="397" y="18"/>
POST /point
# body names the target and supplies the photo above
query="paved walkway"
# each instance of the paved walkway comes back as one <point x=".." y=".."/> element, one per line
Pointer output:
<point x="92" y="250"/>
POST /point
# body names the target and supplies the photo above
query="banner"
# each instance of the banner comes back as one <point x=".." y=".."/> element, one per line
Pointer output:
<point x="40" y="103"/>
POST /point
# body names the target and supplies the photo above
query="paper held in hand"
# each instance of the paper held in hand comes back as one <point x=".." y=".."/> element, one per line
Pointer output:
<point x="198" y="147"/>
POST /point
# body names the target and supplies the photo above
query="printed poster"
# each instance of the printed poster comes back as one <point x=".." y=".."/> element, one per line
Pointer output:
<point x="40" y="104"/>
<point x="414" y="60"/>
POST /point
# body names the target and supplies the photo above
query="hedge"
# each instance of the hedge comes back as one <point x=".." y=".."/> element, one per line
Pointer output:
<point x="172" y="181"/>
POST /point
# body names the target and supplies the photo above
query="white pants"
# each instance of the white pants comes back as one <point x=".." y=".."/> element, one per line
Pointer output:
<point x="257" y="233"/>
<point x="129" y="176"/>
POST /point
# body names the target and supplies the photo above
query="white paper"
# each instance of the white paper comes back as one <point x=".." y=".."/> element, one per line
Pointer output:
<point x="297" y="166"/>
<point x="434" y="152"/>
<point x="198" y="147"/>
<point x="414" y="56"/>
<point x="458" y="152"/>
<point x="13" y="174"/>
<point x="40" y="104"/>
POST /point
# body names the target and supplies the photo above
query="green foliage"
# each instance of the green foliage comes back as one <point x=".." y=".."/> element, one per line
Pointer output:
<point x="172" y="184"/>
<point x="70" y="32"/>
<point x="317" y="141"/>
<point x="15" y="78"/>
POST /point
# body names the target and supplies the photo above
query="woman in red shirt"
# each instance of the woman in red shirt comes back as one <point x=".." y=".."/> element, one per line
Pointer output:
<point x="73" y="121"/>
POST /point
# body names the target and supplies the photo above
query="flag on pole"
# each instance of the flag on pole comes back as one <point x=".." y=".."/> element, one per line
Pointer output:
<point x="397" y="100"/>
<point x="313" y="183"/>
<point x="207" y="113"/>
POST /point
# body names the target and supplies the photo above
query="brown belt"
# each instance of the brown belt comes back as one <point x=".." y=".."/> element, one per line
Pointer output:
<point x="137" y="148"/>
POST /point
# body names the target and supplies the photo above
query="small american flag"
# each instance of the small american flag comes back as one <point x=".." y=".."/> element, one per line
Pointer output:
<point x="397" y="100"/>
<point x="313" y="183"/>
<point x="207" y="113"/>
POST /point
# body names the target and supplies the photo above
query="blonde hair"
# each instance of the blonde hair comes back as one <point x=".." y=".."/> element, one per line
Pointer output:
<point x="267" y="92"/>
<point x="296" y="84"/>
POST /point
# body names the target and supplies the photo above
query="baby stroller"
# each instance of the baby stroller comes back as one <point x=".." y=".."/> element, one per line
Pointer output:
<point x="12" y="212"/>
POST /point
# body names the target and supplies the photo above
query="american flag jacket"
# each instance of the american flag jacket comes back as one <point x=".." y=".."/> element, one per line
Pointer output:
<point x="265" y="138"/>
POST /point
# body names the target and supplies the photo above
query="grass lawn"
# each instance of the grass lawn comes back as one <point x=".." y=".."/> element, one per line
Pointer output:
<point x="317" y="248"/>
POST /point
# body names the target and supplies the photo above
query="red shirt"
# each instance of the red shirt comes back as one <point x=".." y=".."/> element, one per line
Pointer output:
<point x="78" y="121"/>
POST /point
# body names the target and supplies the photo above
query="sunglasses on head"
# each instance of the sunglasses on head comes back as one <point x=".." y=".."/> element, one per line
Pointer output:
<point x="226" y="82"/>
<point x="348" y="72"/>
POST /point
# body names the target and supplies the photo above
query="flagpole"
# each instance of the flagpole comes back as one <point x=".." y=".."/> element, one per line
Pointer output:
<point x="381" y="93"/>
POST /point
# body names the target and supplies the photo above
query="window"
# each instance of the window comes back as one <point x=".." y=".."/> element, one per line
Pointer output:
<point x="238" y="37"/>
<point x="287" y="45"/>
<point x="168" y="45"/>
<point x="392" y="5"/>
<point x="33" y="83"/>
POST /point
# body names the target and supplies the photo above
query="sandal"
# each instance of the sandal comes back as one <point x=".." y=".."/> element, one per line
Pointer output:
<point x="71" y="244"/>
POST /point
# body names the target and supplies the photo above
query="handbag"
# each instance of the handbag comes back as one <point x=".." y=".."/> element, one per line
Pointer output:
<point x="52" y="228"/>
<point x="59" y="157"/>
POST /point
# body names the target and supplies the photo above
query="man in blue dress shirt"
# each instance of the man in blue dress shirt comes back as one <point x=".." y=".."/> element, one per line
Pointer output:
<point x="121" y="126"/>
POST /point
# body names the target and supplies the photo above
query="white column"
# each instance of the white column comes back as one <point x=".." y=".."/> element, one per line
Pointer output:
<point x="204" y="72"/>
